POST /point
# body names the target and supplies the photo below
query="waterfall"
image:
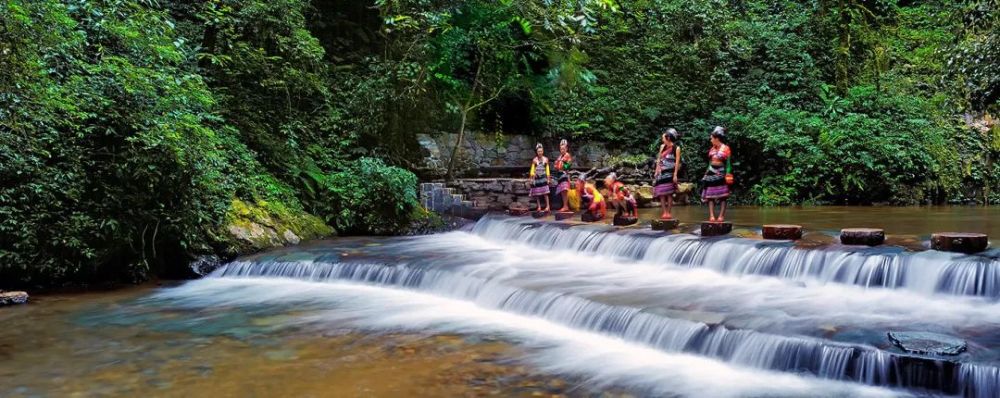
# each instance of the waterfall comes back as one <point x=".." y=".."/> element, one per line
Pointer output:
<point x="795" y="354"/>
<point x="927" y="272"/>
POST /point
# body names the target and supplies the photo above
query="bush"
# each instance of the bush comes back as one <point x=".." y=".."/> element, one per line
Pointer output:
<point x="370" y="197"/>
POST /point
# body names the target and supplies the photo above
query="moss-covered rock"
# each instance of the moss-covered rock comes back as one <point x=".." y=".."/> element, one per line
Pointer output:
<point x="252" y="227"/>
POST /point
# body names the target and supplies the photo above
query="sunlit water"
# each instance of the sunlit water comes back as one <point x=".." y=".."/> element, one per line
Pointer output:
<point x="522" y="307"/>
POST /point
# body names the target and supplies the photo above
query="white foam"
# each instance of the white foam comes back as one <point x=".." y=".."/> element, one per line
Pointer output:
<point x="601" y="360"/>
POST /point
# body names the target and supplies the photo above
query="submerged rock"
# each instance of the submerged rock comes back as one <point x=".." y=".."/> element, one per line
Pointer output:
<point x="204" y="265"/>
<point x="928" y="343"/>
<point x="11" y="298"/>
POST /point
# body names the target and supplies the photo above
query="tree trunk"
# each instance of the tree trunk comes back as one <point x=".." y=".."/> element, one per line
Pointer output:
<point x="458" y="144"/>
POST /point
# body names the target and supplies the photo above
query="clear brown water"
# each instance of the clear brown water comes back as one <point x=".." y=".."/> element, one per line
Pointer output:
<point x="280" y="332"/>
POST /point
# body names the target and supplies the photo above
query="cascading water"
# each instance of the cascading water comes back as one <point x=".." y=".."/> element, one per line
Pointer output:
<point x="926" y="272"/>
<point x="680" y="295"/>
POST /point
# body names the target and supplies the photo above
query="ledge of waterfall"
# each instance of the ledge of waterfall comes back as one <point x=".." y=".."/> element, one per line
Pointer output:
<point x="928" y="343"/>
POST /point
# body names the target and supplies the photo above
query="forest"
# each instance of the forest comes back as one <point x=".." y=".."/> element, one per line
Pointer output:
<point x="133" y="132"/>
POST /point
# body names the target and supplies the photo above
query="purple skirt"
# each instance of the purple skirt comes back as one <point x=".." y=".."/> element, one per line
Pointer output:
<point x="716" y="192"/>
<point x="562" y="187"/>
<point x="664" y="189"/>
<point x="539" y="191"/>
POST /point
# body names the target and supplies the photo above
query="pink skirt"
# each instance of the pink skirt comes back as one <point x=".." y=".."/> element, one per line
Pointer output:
<point x="562" y="187"/>
<point x="716" y="192"/>
<point x="539" y="191"/>
<point x="664" y="189"/>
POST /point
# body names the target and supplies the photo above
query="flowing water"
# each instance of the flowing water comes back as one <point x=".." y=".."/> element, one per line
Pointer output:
<point x="520" y="307"/>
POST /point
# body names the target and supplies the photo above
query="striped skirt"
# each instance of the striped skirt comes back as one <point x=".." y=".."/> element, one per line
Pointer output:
<point x="562" y="182"/>
<point x="540" y="187"/>
<point x="664" y="186"/>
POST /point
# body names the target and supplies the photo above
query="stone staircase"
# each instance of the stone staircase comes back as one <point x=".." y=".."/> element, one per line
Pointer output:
<point x="437" y="197"/>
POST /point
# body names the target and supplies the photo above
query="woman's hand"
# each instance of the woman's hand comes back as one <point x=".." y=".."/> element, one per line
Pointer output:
<point x="675" y="178"/>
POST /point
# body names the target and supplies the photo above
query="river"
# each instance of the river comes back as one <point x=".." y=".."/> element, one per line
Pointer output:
<point x="521" y="307"/>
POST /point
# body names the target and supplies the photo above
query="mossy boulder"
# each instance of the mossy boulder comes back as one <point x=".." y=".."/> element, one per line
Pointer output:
<point x="252" y="227"/>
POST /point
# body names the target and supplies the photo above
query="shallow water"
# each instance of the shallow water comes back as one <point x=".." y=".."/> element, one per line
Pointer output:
<point x="521" y="307"/>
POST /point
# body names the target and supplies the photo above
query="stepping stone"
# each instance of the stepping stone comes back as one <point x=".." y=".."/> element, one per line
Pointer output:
<point x="518" y="209"/>
<point x="862" y="236"/>
<point x="782" y="232"/>
<point x="622" y="221"/>
<point x="709" y="228"/>
<point x="11" y="298"/>
<point x="928" y="343"/>
<point x="664" y="225"/>
<point x="961" y="242"/>
<point x="564" y="215"/>
<point x="539" y="214"/>
<point x="589" y="217"/>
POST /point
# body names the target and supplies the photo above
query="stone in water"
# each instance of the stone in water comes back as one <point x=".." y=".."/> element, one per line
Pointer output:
<point x="563" y="215"/>
<point x="862" y="236"/>
<point x="782" y="232"/>
<point x="539" y="214"/>
<point x="928" y="343"/>
<point x="589" y="217"/>
<point x="11" y="298"/>
<point x="622" y="221"/>
<point x="664" y="224"/>
<point x="961" y="242"/>
<point x="709" y="228"/>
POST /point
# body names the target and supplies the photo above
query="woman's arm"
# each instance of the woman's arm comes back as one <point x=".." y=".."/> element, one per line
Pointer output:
<point x="677" y="163"/>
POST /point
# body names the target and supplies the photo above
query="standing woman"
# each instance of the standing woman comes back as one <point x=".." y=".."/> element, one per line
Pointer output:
<point x="563" y="165"/>
<point x="716" y="186"/>
<point x="541" y="178"/>
<point x="668" y="163"/>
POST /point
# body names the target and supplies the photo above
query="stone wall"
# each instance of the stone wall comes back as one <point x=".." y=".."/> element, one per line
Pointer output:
<point x="500" y="193"/>
<point x="482" y="152"/>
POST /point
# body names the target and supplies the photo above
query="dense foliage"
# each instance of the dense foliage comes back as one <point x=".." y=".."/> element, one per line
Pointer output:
<point x="129" y="128"/>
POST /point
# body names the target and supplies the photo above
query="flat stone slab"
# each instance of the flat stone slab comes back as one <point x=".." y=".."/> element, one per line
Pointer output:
<point x="782" y="232"/>
<point x="862" y="236"/>
<point x="928" y="343"/>
<point x="622" y="221"/>
<point x="539" y="214"/>
<point x="11" y="298"/>
<point x="709" y="228"/>
<point x="961" y="242"/>
<point x="518" y="212"/>
<point x="664" y="225"/>
<point x="589" y="217"/>
<point x="564" y="215"/>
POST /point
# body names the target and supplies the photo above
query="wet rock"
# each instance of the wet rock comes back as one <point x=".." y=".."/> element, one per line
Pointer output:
<point x="716" y="228"/>
<point x="862" y="236"/>
<point x="11" y="298"/>
<point x="782" y="232"/>
<point x="563" y="215"/>
<point x="589" y="217"/>
<point x="664" y="225"/>
<point x="518" y="209"/>
<point x="539" y="214"/>
<point x="622" y="221"/>
<point x="961" y="242"/>
<point x="204" y="265"/>
<point x="927" y="343"/>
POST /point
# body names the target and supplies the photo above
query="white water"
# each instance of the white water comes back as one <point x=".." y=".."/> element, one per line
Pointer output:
<point x="601" y="360"/>
<point x="781" y="307"/>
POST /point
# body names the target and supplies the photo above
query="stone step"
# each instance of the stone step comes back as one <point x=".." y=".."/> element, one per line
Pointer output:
<point x="468" y="203"/>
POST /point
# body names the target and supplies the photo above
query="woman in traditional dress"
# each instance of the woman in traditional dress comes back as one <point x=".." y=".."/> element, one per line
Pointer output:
<point x="563" y="164"/>
<point x="592" y="203"/>
<point x="716" y="187"/>
<point x="541" y="178"/>
<point x="615" y="194"/>
<point x="668" y="163"/>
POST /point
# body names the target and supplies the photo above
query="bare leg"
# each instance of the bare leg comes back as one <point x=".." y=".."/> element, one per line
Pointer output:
<point x="711" y="210"/>
<point x="670" y="205"/>
<point x="664" y="208"/>
<point x="722" y="210"/>
<point x="547" y="203"/>
<point x="565" y="201"/>
<point x="538" y="203"/>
